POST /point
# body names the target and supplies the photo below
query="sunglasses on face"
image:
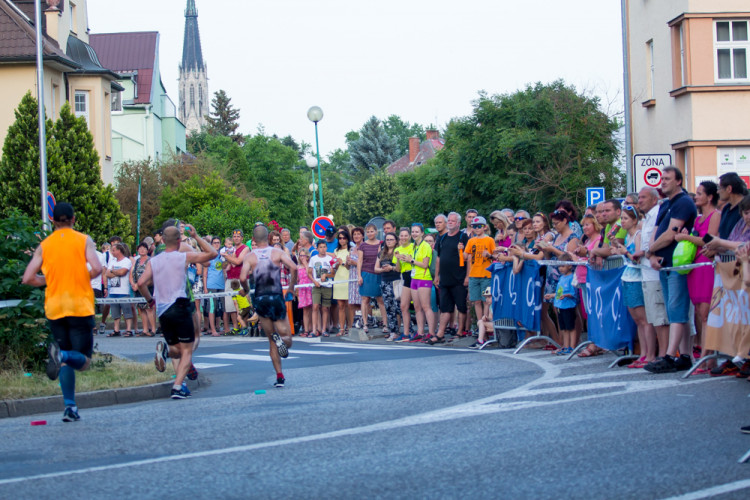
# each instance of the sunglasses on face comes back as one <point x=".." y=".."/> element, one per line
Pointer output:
<point x="342" y="237"/>
<point x="520" y="218"/>
<point x="477" y="226"/>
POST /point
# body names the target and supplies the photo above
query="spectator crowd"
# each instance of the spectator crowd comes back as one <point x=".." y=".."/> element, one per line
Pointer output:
<point x="432" y="284"/>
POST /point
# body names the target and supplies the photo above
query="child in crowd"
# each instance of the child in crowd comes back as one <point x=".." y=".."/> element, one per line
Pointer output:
<point x="321" y="270"/>
<point x="565" y="303"/>
<point x="485" y="323"/>
<point x="304" y="295"/>
<point x="245" y="314"/>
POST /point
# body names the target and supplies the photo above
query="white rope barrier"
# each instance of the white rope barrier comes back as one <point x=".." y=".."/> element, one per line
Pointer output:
<point x="198" y="296"/>
<point x="201" y="296"/>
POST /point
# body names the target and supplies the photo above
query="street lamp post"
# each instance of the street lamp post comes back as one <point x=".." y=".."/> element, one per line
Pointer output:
<point x="315" y="114"/>
<point x="312" y="163"/>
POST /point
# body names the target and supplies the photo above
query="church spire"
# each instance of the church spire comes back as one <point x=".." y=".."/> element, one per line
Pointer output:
<point x="193" y="85"/>
<point x="192" y="55"/>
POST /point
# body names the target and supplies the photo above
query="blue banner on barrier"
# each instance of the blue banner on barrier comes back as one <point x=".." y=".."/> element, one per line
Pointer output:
<point x="517" y="296"/>
<point x="609" y="323"/>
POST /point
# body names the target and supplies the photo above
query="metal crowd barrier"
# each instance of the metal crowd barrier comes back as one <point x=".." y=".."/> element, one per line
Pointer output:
<point x="609" y="263"/>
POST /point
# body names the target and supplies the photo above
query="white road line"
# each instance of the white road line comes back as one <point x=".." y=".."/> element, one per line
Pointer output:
<point x="391" y="347"/>
<point x="590" y="376"/>
<point x="483" y="406"/>
<point x="316" y="353"/>
<point x="716" y="490"/>
<point x="238" y="357"/>
<point x="204" y="366"/>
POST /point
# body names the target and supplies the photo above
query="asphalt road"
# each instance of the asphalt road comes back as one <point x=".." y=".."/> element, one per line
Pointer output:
<point x="394" y="421"/>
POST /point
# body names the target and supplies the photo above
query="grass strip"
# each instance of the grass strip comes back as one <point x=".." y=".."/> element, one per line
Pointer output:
<point x="106" y="372"/>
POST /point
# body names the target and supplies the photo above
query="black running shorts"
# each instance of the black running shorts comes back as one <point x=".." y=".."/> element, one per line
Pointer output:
<point x="177" y="323"/>
<point x="272" y="307"/>
<point x="74" y="333"/>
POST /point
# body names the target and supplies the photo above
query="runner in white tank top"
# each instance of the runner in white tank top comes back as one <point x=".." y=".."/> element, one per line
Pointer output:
<point x="168" y="272"/>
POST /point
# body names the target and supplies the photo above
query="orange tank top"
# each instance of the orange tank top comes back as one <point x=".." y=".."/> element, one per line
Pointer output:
<point x="69" y="291"/>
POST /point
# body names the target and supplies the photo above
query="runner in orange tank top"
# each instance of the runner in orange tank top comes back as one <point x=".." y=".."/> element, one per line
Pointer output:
<point x="68" y="262"/>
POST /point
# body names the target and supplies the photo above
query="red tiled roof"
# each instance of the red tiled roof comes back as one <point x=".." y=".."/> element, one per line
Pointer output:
<point x="126" y="52"/>
<point x="427" y="150"/>
<point x="18" y="38"/>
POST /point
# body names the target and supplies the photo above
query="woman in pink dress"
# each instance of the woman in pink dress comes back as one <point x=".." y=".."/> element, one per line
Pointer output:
<point x="701" y="279"/>
<point x="304" y="295"/>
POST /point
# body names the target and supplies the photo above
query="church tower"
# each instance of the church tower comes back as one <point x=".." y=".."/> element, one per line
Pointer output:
<point x="193" y="83"/>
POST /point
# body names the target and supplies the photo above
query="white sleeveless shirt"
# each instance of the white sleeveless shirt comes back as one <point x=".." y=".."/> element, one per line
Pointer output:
<point x="170" y="279"/>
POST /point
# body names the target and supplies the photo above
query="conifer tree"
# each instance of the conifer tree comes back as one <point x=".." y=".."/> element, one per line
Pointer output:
<point x="373" y="150"/>
<point x="73" y="172"/>
<point x="223" y="119"/>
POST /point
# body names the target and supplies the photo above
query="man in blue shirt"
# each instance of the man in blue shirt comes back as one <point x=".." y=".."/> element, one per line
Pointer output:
<point x="215" y="283"/>
<point x="677" y="212"/>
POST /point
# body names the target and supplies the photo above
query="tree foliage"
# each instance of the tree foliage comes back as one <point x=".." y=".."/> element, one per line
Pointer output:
<point x="373" y="150"/>
<point x="229" y="214"/>
<point x="273" y="172"/>
<point x="402" y="131"/>
<point x="378" y="195"/>
<point x="522" y="150"/>
<point x="223" y="118"/>
<point x="23" y="328"/>
<point x="73" y="172"/>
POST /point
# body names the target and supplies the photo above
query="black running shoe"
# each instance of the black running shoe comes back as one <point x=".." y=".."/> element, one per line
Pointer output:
<point x="70" y="415"/>
<point x="179" y="393"/>
<point x="160" y="358"/>
<point x="192" y="373"/>
<point x="683" y="363"/>
<point x="745" y="430"/>
<point x="283" y="349"/>
<point x="661" y="365"/>
<point x="279" y="382"/>
<point x="55" y="360"/>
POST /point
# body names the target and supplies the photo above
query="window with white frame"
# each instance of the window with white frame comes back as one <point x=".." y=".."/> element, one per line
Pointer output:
<point x="81" y="104"/>
<point x="683" y="80"/>
<point x="732" y="46"/>
<point x="73" y="26"/>
<point x="650" y="63"/>
<point x="116" y="101"/>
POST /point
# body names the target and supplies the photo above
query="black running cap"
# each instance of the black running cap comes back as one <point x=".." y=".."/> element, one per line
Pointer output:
<point x="63" y="212"/>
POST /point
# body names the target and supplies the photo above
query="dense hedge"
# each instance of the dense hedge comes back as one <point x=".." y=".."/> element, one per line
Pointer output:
<point x="23" y="328"/>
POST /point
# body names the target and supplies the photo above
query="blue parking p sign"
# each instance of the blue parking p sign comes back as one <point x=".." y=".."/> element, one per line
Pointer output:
<point x="594" y="195"/>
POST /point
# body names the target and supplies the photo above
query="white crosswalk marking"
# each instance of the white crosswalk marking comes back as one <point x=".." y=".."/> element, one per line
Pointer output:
<point x="205" y="366"/>
<point x="239" y="357"/>
<point x="316" y="353"/>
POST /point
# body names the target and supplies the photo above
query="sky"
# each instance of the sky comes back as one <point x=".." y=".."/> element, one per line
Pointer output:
<point x="423" y="61"/>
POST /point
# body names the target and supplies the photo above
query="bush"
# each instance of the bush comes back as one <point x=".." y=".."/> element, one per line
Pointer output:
<point x="23" y="328"/>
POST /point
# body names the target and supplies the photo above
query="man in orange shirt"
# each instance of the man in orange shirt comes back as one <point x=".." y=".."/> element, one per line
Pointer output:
<point x="479" y="251"/>
<point x="68" y="262"/>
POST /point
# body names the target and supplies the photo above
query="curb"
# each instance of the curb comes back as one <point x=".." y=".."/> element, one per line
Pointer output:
<point x="10" y="408"/>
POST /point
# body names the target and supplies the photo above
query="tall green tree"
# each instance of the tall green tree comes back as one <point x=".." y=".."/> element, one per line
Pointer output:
<point x="275" y="173"/>
<point x="373" y="150"/>
<point x="73" y="172"/>
<point x="527" y="150"/>
<point x="126" y="180"/>
<point x="224" y="118"/>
